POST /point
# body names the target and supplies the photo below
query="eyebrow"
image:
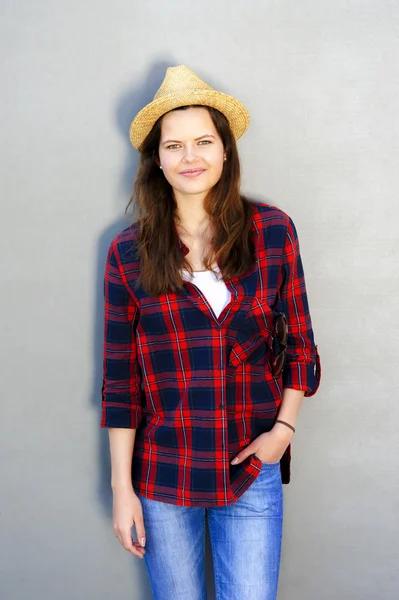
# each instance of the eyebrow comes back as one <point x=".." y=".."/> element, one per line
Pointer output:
<point x="196" y="139"/>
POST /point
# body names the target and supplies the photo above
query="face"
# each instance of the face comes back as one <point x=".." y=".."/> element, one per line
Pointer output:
<point x="190" y="141"/>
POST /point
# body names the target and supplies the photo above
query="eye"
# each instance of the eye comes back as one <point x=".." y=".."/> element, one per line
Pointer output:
<point x="200" y="142"/>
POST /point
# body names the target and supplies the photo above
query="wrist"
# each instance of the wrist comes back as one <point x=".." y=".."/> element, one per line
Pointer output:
<point x="122" y="486"/>
<point x="283" y="432"/>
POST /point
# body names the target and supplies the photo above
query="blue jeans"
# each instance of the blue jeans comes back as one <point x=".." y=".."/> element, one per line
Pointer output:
<point x="245" y="540"/>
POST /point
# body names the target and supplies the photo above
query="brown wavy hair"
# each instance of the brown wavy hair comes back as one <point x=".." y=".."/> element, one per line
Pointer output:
<point x="229" y="213"/>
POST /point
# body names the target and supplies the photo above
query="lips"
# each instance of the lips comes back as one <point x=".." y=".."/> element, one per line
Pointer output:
<point x="192" y="173"/>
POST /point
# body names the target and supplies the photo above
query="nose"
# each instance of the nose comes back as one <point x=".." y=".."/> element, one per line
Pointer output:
<point x="189" y="154"/>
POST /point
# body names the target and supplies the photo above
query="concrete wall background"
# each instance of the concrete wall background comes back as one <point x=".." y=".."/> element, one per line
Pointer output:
<point x="321" y="82"/>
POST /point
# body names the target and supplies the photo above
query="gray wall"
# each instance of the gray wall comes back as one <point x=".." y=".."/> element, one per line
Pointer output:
<point x="320" y="80"/>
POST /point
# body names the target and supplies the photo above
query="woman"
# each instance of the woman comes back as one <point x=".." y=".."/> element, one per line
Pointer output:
<point x="208" y="339"/>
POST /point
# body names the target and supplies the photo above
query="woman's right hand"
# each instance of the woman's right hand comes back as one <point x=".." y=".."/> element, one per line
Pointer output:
<point x="127" y="511"/>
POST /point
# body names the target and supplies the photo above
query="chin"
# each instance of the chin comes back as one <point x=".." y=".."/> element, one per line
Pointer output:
<point x="194" y="190"/>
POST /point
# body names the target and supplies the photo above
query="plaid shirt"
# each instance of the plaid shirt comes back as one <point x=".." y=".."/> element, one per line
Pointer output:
<point x="196" y="387"/>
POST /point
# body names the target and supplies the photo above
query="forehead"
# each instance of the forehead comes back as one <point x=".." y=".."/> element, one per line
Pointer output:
<point x="188" y="123"/>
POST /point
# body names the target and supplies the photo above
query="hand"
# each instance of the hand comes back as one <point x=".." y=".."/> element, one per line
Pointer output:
<point x="269" y="447"/>
<point x="127" y="511"/>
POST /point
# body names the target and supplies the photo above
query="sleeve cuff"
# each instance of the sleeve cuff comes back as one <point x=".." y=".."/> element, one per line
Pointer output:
<point x="301" y="376"/>
<point x="116" y="415"/>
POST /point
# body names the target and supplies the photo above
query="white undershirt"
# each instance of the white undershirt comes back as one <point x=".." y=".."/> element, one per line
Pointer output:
<point x="211" y="286"/>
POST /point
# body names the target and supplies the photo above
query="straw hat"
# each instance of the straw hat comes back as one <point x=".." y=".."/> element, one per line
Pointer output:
<point x="180" y="87"/>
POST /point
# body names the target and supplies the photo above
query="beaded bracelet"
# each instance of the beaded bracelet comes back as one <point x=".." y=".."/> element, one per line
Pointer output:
<point x="285" y="423"/>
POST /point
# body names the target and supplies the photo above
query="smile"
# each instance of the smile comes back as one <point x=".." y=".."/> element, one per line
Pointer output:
<point x="193" y="173"/>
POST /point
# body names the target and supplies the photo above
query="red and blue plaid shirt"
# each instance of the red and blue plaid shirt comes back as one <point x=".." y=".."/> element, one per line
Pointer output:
<point x="198" y="387"/>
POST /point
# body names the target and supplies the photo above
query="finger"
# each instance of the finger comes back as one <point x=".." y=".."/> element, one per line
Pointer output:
<point x="140" y="529"/>
<point x="129" y="544"/>
<point x="137" y="550"/>
<point x="135" y="544"/>
<point x="241" y="456"/>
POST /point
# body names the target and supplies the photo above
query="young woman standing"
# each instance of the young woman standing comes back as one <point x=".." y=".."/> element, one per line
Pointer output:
<point x="208" y="352"/>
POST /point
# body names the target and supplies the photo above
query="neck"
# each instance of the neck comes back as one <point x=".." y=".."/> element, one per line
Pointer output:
<point x="191" y="216"/>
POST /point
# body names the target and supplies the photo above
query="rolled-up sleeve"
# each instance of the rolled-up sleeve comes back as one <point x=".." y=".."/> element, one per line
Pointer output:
<point x="121" y="387"/>
<point x="302" y="370"/>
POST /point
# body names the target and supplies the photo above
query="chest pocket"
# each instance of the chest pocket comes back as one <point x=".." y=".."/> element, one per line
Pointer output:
<point x="254" y="338"/>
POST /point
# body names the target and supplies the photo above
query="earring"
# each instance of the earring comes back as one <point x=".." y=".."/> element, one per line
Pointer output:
<point x="160" y="166"/>
<point x="224" y="159"/>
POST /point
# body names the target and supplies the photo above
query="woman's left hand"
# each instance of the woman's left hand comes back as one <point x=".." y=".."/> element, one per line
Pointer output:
<point x="269" y="447"/>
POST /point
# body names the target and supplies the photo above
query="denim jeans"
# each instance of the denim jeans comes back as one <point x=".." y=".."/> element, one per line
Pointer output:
<point x="245" y="539"/>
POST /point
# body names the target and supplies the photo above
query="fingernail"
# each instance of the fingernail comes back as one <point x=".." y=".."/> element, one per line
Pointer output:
<point x="142" y="541"/>
<point x="234" y="461"/>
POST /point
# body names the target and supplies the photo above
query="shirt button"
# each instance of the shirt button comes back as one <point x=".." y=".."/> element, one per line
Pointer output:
<point x="220" y="367"/>
<point x="221" y="405"/>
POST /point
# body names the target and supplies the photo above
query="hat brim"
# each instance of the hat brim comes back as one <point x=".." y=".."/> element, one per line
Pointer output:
<point x="233" y="109"/>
